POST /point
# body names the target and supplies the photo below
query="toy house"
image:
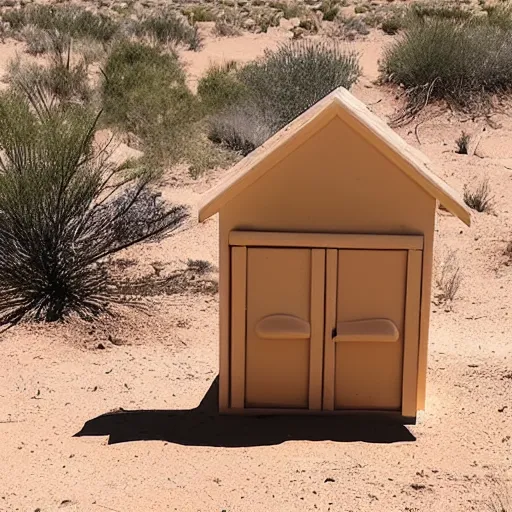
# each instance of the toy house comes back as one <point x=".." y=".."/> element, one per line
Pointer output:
<point x="326" y="249"/>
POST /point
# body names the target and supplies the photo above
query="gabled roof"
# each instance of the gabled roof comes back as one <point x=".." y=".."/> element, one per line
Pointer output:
<point x="343" y="104"/>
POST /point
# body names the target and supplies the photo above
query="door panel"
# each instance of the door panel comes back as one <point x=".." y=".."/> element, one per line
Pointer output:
<point x="277" y="355"/>
<point x="371" y="287"/>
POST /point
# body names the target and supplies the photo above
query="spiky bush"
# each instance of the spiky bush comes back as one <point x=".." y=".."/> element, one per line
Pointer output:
<point x="62" y="79"/>
<point x="294" y="77"/>
<point x="461" y="61"/>
<point x="63" y="210"/>
<point x="144" y="92"/>
<point x="169" y="27"/>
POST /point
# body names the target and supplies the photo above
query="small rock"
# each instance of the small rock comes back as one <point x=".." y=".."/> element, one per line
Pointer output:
<point x="249" y="23"/>
<point x="100" y="346"/>
<point x="329" y="479"/>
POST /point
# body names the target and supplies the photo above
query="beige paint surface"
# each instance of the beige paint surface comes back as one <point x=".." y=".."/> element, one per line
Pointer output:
<point x="371" y="284"/>
<point x="335" y="182"/>
<point x="277" y="370"/>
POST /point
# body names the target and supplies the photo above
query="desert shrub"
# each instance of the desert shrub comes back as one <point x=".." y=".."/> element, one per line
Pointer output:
<point x="144" y="92"/>
<point x="330" y="9"/>
<point x="392" y="25"/>
<point x="229" y="23"/>
<point x="168" y="27"/>
<point x="424" y="10"/>
<point x="276" y="89"/>
<point x="71" y="20"/>
<point x="449" y="278"/>
<point x="290" y="9"/>
<point x="199" y="13"/>
<point x="360" y="9"/>
<point x="241" y="128"/>
<point x="461" y="62"/>
<point x="265" y="18"/>
<point x="479" y="198"/>
<point x="64" y="209"/>
<point x="463" y="143"/>
<point x="63" y="79"/>
<point x="289" y="80"/>
<point x="353" y="26"/>
<point x="38" y="40"/>
<point x="220" y="87"/>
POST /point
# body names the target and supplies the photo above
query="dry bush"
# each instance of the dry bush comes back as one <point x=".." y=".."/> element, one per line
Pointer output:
<point x="64" y="79"/>
<point x="449" y="55"/>
<point x="449" y="279"/>
<point x="240" y="128"/>
<point x="463" y="143"/>
<point x="71" y="20"/>
<point x="479" y="198"/>
<point x="64" y="209"/>
<point x="168" y="27"/>
<point x="274" y="90"/>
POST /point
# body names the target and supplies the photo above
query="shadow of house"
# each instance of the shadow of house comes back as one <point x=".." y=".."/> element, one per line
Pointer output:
<point x="203" y="426"/>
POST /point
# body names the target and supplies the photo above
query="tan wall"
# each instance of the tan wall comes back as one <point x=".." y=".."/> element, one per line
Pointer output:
<point x="337" y="183"/>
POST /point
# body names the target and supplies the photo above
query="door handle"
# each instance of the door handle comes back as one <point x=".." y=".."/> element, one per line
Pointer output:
<point x="370" y="330"/>
<point x="283" y="327"/>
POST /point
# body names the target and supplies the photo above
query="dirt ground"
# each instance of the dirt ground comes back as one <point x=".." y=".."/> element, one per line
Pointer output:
<point x="172" y="454"/>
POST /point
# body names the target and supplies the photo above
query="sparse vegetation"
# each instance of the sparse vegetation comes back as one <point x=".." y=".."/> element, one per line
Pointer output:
<point x="463" y="143"/>
<point x="64" y="209"/>
<point x="447" y="55"/>
<point x="144" y="92"/>
<point x="479" y="198"/>
<point x="449" y="279"/>
<point x="220" y="87"/>
<point x="168" y="27"/>
<point x="64" y="79"/>
<point x="73" y="21"/>
<point x="392" y="25"/>
<point x="277" y="88"/>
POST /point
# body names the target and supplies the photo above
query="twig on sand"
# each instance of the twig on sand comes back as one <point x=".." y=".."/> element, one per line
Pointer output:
<point x="107" y="508"/>
<point x="12" y="421"/>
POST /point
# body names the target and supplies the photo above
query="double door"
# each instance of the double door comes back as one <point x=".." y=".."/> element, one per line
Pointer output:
<point x="325" y="322"/>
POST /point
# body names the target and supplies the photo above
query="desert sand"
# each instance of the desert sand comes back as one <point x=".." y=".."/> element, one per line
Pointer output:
<point x="57" y="380"/>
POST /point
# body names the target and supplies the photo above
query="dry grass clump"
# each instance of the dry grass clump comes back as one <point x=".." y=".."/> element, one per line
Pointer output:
<point x="463" y="143"/>
<point x="480" y="198"/>
<point x="449" y="279"/>
<point x="450" y="55"/>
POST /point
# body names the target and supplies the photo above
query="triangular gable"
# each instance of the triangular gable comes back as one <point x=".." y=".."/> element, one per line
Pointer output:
<point x="343" y="104"/>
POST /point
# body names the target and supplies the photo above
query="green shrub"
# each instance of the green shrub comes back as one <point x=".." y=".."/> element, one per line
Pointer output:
<point x="424" y="10"/>
<point x="64" y="209"/>
<point x="330" y="9"/>
<point x="462" y="62"/>
<point x="279" y="87"/>
<point x="144" y="92"/>
<point x="392" y="25"/>
<point x="71" y="20"/>
<point x="220" y="87"/>
<point x="360" y="9"/>
<point x="167" y="27"/>
<point x="294" y="77"/>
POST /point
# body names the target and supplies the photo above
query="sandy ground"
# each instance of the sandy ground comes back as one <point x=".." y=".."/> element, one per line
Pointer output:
<point x="57" y="381"/>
